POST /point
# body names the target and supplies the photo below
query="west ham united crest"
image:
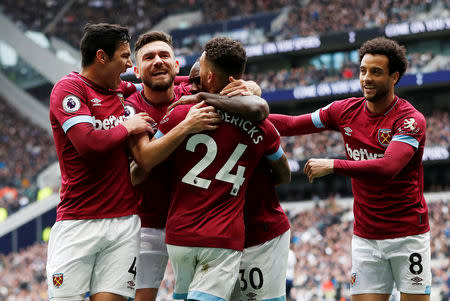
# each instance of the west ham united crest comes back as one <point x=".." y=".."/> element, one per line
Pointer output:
<point x="58" y="280"/>
<point x="384" y="136"/>
<point x="353" y="279"/>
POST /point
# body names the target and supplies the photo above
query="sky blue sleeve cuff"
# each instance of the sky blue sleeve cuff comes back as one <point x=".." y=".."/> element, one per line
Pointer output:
<point x="76" y="120"/>
<point x="158" y="134"/>
<point x="277" y="155"/>
<point x="407" y="139"/>
<point x="316" y="119"/>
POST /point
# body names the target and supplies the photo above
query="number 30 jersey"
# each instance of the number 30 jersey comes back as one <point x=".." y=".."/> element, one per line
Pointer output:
<point x="210" y="173"/>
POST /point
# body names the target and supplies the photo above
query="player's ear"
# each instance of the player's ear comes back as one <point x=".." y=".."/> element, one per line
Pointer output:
<point x="101" y="56"/>
<point x="210" y="76"/>
<point x="177" y="67"/>
<point x="394" y="77"/>
<point x="136" y="72"/>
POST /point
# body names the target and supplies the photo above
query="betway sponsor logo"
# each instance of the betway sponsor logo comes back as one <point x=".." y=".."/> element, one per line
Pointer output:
<point x="108" y="123"/>
<point x="361" y="154"/>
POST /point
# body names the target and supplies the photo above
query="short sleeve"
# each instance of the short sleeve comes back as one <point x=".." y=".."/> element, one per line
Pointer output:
<point x="69" y="105"/>
<point x="274" y="150"/>
<point x="410" y="129"/>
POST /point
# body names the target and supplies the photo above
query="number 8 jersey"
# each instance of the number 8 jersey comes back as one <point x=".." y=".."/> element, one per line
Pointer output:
<point x="210" y="173"/>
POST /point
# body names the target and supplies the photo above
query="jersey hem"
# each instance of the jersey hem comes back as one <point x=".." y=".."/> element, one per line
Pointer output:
<point x="97" y="216"/>
<point x="377" y="237"/>
<point x="264" y="239"/>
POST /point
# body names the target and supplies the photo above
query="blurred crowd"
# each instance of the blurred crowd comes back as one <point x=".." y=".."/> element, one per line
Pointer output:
<point x="64" y="19"/>
<point x="290" y="78"/>
<point x="321" y="240"/>
<point x="25" y="150"/>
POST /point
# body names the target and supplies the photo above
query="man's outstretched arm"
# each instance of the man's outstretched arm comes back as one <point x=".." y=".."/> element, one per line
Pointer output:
<point x="397" y="155"/>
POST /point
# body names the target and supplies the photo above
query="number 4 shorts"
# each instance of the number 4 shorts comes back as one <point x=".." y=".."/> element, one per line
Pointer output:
<point x="94" y="255"/>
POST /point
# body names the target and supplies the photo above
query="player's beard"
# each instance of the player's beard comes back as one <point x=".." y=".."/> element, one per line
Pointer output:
<point x="160" y="85"/>
<point x="380" y="93"/>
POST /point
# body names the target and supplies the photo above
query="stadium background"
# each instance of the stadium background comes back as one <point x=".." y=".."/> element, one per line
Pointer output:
<point x="302" y="53"/>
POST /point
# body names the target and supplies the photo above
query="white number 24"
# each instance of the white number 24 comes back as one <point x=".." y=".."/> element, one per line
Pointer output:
<point x="224" y="173"/>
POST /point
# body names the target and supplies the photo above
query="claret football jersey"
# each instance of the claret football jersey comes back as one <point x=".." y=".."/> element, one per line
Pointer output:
<point x="154" y="192"/>
<point x="97" y="186"/>
<point x="210" y="172"/>
<point x="383" y="208"/>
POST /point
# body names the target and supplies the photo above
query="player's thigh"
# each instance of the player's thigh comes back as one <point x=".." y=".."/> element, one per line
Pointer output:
<point x="411" y="264"/>
<point x="215" y="274"/>
<point x="72" y="249"/>
<point x="116" y="266"/>
<point x="262" y="272"/>
<point x="183" y="261"/>
<point x="414" y="297"/>
<point x="107" y="297"/>
<point x="153" y="258"/>
<point x="371" y="272"/>
<point x="371" y="297"/>
<point x="146" y="294"/>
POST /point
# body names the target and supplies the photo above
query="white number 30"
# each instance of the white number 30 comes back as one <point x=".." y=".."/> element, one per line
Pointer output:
<point x="224" y="173"/>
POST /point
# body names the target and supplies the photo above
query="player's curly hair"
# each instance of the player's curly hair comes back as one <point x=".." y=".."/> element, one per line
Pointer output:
<point x="103" y="36"/>
<point x="396" y="54"/>
<point x="152" y="36"/>
<point x="227" y="56"/>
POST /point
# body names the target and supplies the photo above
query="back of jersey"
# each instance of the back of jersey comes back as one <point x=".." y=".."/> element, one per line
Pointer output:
<point x="211" y="171"/>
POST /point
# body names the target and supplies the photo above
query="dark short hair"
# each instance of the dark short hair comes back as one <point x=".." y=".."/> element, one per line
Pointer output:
<point x="152" y="36"/>
<point x="395" y="53"/>
<point x="227" y="56"/>
<point x="103" y="36"/>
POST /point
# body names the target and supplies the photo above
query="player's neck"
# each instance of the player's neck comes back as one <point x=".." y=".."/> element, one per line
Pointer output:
<point x="96" y="77"/>
<point x="158" y="97"/>
<point x="380" y="106"/>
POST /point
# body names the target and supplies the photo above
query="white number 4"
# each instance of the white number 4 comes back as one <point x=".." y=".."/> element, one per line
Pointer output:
<point x="224" y="173"/>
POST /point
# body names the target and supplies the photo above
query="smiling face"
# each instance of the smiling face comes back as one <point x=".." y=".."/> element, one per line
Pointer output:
<point x="118" y="64"/>
<point x="376" y="82"/>
<point x="156" y="66"/>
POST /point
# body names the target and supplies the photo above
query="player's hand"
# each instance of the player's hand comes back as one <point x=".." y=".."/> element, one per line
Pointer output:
<point x="201" y="118"/>
<point x="138" y="123"/>
<point x="316" y="168"/>
<point x="240" y="87"/>
<point x="185" y="100"/>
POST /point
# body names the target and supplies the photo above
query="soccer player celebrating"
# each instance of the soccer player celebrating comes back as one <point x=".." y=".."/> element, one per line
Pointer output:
<point x="263" y="267"/>
<point x="205" y="230"/>
<point x="94" y="242"/>
<point x="157" y="68"/>
<point x="384" y="136"/>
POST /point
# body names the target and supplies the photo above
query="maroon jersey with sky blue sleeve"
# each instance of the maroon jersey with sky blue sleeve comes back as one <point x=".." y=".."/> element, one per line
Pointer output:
<point x="211" y="171"/>
<point x="96" y="185"/>
<point x="154" y="192"/>
<point x="383" y="208"/>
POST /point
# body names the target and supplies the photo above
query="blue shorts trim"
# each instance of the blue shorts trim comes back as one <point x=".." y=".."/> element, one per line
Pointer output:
<point x="196" y="295"/>
<point x="180" y="296"/>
